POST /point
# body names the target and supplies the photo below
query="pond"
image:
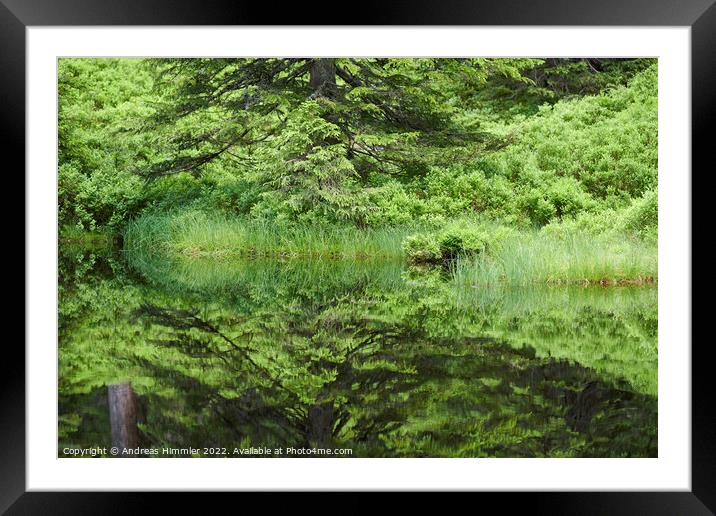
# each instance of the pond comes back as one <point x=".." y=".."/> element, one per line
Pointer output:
<point x="370" y="358"/>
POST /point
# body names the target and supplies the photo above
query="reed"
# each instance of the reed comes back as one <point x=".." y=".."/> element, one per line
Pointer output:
<point x="527" y="258"/>
<point x="195" y="234"/>
<point x="522" y="258"/>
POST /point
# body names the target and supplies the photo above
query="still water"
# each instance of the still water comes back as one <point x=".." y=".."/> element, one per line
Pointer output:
<point x="370" y="357"/>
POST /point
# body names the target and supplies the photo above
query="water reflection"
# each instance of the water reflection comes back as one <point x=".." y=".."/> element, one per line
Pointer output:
<point x="368" y="356"/>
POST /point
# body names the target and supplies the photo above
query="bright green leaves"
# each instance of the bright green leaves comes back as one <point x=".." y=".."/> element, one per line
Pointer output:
<point x="399" y="141"/>
<point x="460" y="238"/>
<point x="100" y="102"/>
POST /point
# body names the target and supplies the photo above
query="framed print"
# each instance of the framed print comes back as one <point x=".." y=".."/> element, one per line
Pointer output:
<point x="442" y="248"/>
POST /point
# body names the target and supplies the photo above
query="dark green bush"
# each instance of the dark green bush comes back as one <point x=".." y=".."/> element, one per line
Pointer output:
<point x="643" y="215"/>
<point x="422" y="248"/>
<point x="460" y="238"/>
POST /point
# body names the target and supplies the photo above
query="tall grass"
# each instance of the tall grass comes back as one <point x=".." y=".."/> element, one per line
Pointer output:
<point x="522" y="258"/>
<point x="196" y="234"/>
<point x="526" y="258"/>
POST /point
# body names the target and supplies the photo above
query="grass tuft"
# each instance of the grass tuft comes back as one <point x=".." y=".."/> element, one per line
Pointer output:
<point x="518" y="258"/>
<point x="537" y="257"/>
<point x="197" y="235"/>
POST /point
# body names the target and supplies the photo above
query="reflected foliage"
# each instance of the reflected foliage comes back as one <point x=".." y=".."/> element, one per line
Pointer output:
<point x="365" y="355"/>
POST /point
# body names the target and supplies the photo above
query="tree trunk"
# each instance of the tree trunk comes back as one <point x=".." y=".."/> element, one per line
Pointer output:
<point x="323" y="77"/>
<point x="123" y="416"/>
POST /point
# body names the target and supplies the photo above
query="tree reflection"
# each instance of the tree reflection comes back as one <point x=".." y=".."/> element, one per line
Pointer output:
<point x="394" y="390"/>
<point x="354" y="356"/>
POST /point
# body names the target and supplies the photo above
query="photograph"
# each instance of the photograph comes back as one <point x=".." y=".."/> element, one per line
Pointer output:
<point x="357" y="257"/>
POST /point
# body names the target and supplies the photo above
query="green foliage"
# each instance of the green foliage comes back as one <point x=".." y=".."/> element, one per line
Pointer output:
<point x="422" y="248"/>
<point x="460" y="238"/>
<point x="606" y="142"/>
<point x="398" y="141"/>
<point x="101" y="101"/>
<point x="269" y="207"/>
<point x="642" y="215"/>
<point x="550" y="80"/>
<point x="638" y="220"/>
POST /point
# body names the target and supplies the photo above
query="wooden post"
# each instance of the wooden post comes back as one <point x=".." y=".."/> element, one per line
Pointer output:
<point x="321" y="419"/>
<point x="123" y="416"/>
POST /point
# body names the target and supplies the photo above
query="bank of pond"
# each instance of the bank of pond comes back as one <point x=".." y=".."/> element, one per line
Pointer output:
<point x="475" y="253"/>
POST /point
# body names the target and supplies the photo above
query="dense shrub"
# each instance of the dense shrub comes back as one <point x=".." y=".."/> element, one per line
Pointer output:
<point x="458" y="238"/>
<point x="99" y="102"/>
<point x="642" y="215"/>
<point x="607" y="143"/>
<point x="422" y="248"/>
<point x="580" y="156"/>
<point x="587" y="162"/>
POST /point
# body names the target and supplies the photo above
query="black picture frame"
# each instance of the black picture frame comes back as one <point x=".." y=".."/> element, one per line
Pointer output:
<point x="700" y="15"/>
